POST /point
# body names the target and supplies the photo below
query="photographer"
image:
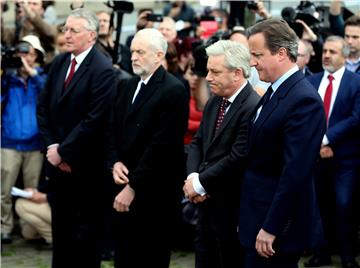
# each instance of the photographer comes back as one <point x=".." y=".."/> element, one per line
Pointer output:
<point x="20" y="138"/>
<point x="29" y="20"/>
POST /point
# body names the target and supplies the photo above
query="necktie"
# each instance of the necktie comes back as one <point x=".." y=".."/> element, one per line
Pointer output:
<point x="267" y="96"/>
<point x="137" y="95"/>
<point x="265" y="99"/>
<point x="220" y="118"/>
<point x="71" y="73"/>
<point x="327" y="97"/>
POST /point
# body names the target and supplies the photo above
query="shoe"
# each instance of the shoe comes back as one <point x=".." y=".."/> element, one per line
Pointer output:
<point x="317" y="261"/>
<point x="350" y="264"/>
<point x="6" y="238"/>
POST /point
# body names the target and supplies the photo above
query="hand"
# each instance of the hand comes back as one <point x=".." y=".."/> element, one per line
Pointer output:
<point x="262" y="11"/>
<point x="120" y="173"/>
<point x="263" y="244"/>
<point x="308" y="34"/>
<point x="326" y="152"/>
<point x="38" y="197"/>
<point x="65" y="167"/>
<point x="189" y="192"/>
<point x="124" y="199"/>
<point x="53" y="156"/>
<point x="26" y="67"/>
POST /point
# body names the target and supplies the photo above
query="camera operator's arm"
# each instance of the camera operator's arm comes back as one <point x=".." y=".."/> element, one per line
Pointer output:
<point x="262" y="11"/>
<point x="335" y="18"/>
<point x="308" y="34"/>
<point x="41" y="26"/>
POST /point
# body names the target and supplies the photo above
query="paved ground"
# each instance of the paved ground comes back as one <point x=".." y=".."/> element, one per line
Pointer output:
<point x="21" y="254"/>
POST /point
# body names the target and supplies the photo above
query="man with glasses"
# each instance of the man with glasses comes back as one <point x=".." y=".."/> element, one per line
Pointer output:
<point x="72" y="112"/>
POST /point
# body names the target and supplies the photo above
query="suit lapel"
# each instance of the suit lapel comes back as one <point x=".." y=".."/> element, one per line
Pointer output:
<point x="233" y="109"/>
<point x="273" y="103"/>
<point x="213" y="111"/>
<point x="62" y="74"/>
<point x="343" y="87"/>
<point x="148" y="90"/>
<point x="78" y="74"/>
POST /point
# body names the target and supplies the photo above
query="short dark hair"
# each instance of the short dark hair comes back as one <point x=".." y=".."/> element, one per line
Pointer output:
<point x="353" y="21"/>
<point x="277" y="34"/>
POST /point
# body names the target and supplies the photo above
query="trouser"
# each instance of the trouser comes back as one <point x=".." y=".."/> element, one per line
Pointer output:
<point x="12" y="161"/>
<point x="35" y="219"/>
<point x="279" y="260"/>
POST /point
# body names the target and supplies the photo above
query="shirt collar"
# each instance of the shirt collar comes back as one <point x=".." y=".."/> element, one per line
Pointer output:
<point x="237" y="92"/>
<point x="337" y="75"/>
<point x="285" y="76"/>
<point x="80" y="58"/>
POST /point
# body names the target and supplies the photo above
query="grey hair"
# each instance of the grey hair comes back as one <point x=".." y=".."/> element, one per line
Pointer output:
<point x="236" y="55"/>
<point x="345" y="47"/>
<point x="155" y="38"/>
<point x="89" y="16"/>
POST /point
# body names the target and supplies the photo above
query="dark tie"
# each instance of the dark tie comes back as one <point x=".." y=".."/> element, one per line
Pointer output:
<point x="327" y="97"/>
<point x="139" y="94"/>
<point x="267" y="96"/>
<point x="221" y="114"/>
<point x="71" y="73"/>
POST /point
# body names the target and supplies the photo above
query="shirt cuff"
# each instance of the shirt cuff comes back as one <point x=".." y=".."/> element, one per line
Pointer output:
<point x="197" y="185"/>
<point x="53" y="145"/>
<point x="325" y="140"/>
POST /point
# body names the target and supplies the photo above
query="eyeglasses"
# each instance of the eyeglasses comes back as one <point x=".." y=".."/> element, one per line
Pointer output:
<point x="71" y="30"/>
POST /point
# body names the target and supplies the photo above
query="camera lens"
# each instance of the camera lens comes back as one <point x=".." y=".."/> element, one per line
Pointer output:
<point x="23" y="47"/>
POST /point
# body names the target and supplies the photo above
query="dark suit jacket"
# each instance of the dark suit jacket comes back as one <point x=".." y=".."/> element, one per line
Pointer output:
<point x="344" y="123"/>
<point x="147" y="136"/>
<point x="218" y="157"/>
<point x="75" y="117"/>
<point x="278" y="190"/>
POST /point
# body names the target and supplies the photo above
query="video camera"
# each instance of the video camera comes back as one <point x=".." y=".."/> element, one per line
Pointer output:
<point x="199" y="52"/>
<point x="306" y="12"/>
<point x="9" y="58"/>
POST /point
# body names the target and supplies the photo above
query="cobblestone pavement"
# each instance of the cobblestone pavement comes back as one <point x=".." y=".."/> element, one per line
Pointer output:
<point x="21" y="254"/>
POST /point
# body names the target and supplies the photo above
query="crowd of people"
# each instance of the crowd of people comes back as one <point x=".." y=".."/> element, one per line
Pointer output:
<point x="238" y="137"/>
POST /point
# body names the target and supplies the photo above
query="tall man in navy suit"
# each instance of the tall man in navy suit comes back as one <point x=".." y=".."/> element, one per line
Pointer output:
<point x="72" y="112"/>
<point x="338" y="168"/>
<point x="217" y="155"/>
<point x="146" y="153"/>
<point x="278" y="204"/>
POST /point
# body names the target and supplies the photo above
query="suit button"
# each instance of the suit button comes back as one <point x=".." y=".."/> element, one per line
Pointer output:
<point x="138" y="125"/>
<point x="206" y="163"/>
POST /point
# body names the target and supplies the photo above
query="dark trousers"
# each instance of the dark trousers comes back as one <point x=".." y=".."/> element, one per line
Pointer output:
<point x="336" y="186"/>
<point x="76" y="223"/>
<point x="279" y="260"/>
<point x="143" y="237"/>
<point x="216" y="238"/>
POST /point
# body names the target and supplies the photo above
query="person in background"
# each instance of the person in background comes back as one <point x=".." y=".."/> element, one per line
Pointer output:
<point x="105" y="43"/>
<point x="217" y="154"/>
<point x="305" y="51"/>
<point x="72" y="115"/>
<point x="278" y="216"/>
<point x="20" y="138"/>
<point x="35" y="215"/>
<point x="337" y="176"/>
<point x="142" y="23"/>
<point x="146" y="155"/>
<point x="168" y="29"/>
<point x="29" y="20"/>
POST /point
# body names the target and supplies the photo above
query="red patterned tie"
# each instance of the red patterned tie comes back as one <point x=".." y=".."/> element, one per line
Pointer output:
<point x="220" y="118"/>
<point x="71" y="73"/>
<point x="327" y="97"/>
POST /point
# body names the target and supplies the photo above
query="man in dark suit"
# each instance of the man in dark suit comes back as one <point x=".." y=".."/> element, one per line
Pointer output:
<point x="72" y="112"/>
<point x="145" y="150"/>
<point x="337" y="176"/>
<point x="278" y="205"/>
<point x="217" y="155"/>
